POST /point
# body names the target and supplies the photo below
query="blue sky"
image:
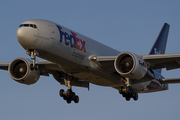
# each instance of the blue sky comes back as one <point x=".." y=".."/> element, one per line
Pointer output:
<point x="124" y="25"/>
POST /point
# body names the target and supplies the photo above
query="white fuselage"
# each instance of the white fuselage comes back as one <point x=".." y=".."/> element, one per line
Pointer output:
<point x="70" y="51"/>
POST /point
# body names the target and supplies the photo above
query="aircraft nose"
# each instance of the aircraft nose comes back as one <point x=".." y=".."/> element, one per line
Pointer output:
<point x="23" y="36"/>
<point x="20" y="35"/>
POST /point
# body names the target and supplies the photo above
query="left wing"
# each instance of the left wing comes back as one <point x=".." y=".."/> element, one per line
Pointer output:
<point x="168" y="61"/>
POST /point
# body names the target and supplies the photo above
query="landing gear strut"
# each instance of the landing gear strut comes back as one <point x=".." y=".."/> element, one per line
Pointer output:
<point x="34" y="53"/>
<point x="128" y="92"/>
<point x="69" y="95"/>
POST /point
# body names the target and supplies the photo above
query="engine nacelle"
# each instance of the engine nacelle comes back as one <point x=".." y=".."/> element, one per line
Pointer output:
<point x="19" y="70"/>
<point x="130" y="65"/>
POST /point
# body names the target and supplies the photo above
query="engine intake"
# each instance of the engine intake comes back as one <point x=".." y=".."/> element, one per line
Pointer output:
<point x="126" y="64"/>
<point x="130" y="65"/>
<point x="19" y="70"/>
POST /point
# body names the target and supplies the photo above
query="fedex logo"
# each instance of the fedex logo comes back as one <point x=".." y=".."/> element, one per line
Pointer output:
<point x="156" y="51"/>
<point x="72" y="40"/>
<point x="142" y="64"/>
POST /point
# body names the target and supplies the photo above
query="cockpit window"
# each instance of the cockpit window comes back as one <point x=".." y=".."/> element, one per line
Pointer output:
<point x="35" y="26"/>
<point x="28" y="25"/>
<point x="31" y="25"/>
<point x="21" y="25"/>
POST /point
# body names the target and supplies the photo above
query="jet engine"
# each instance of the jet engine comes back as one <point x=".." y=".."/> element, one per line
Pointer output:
<point x="19" y="70"/>
<point x="130" y="65"/>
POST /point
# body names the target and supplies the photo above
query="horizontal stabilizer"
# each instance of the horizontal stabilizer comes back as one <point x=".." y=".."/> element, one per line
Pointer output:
<point x="170" y="81"/>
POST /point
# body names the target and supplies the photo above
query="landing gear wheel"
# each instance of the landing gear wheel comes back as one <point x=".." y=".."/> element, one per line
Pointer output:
<point x="69" y="96"/>
<point x="69" y="93"/>
<point x="73" y="95"/>
<point x="76" y="100"/>
<point x="68" y="101"/>
<point x="128" y="93"/>
<point x="120" y="90"/>
<point x="135" y="97"/>
<point x="132" y="94"/>
<point x="128" y="90"/>
<point x="64" y="97"/>
<point x="128" y="98"/>
<point x="124" y="94"/>
<point x="61" y="92"/>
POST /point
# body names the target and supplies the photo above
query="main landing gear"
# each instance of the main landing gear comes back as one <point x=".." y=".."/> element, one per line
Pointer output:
<point x="127" y="91"/>
<point x="69" y="95"/>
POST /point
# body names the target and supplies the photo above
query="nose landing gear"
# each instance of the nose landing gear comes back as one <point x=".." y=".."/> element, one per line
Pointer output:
<point x="34" y="53"/>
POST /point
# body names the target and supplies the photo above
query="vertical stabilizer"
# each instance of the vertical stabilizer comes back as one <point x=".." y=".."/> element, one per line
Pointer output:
<point x="160" y="43"/>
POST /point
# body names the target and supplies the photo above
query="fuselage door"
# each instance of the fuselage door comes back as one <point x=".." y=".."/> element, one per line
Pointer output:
<point x="52" y="32"/>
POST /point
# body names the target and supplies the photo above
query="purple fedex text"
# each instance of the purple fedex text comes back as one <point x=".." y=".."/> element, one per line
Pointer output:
<point x="72" y="40"/>
<point x="142" y="64"/>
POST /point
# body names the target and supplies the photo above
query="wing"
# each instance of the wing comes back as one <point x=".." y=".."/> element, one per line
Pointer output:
<point x="46" y="65"/>
<point x="105" y="63"/>
<point x="4" y="65"/>
<point x="47" y="68"/>
<point x="168" y="61"/>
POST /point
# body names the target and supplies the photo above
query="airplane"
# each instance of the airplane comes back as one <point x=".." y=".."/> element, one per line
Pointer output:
<point x="76" y="60"/>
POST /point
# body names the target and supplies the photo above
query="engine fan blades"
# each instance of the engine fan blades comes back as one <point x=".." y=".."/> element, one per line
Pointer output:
<point x="19" y="69"/>
<point x="126" y="64"/>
